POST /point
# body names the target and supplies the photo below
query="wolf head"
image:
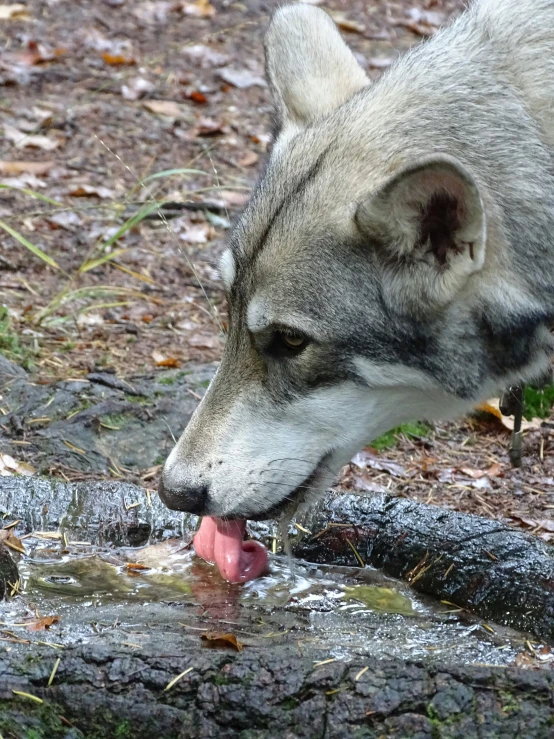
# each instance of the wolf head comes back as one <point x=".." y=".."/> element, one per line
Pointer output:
<point x="356" y="281"/>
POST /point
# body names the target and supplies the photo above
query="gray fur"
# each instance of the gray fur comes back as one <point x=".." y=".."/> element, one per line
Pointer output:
<point x="405" y="227"/>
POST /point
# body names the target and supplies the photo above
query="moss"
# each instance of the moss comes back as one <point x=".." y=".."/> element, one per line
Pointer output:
<point x="167" y="380"/>
<point x="25" y="719"/>
<point x="138" y="399"/>
<point x="221" y="680"/>
<point x="390" y="439"/>
<point x="115" y="421"/>
<point x="289" y="704"/>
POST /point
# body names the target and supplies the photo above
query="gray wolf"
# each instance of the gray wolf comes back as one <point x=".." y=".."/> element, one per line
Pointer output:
<point x="395" y="260"/>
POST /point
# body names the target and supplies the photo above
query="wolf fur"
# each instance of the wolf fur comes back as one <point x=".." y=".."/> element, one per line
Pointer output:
<point x="403" y="230"/>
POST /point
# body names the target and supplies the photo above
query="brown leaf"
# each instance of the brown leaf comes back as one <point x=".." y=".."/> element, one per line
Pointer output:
<point x="43" y="623"/>
<point x="88" y="191"/>
<point x="216" y="639"/>
<point x="203" y="341"/>
<point x="162" y="361"/>
<point x="117" y="60"/>
<point x="135" y="566"/>
<point x="366" y="459"/>
<point x="15" y="168"/>
<point x="198" y="97"/>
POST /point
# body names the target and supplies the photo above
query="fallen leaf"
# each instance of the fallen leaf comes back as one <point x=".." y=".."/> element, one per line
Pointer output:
<point x="384" y="600"/>
<point x="153" y="12"/>
<point x="23" y="140"/>
<point x="345" y="23"/>
<point x="88" y="191"/>
<point x="196" y="234"/>
<point x="217" y="639"/>
<point x="547" y="524"/>
<point x="136" y="566"/>
<point x="136" y="88"/>
<point x="9" y="466"/>
<point x="117" y="60"/>
<point x="248" y="159"/>
<point x="241" y="78"/>
<point x="64" y="219"/>
<point x="209" y="127"/>
<point x="17" y="11"/>
<point x="37" y="53"/>
<point x="203" y="341"/>
<point x="15" y="168"/>
<point x="205" y="57"/>
<point x="162" y="361"/>
<point x="43" y="623"/>
<point x="366" y="459"/>
<point x="167" y="108"/>
<point x="8" y="538"/>
<point x="198" y="97"/>
<point x="199" y="9"/>
<point x="491" y="407"/>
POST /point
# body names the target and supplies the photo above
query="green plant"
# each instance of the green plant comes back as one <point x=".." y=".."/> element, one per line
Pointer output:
<point x="390" y="439"/>
<point x="537" y="403"/>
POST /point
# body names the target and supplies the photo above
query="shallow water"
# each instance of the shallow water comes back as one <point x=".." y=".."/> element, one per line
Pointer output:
<point x="327" y="612"/>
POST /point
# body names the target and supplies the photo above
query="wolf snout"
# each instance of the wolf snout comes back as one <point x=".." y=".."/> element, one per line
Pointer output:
<point x="181" y="495"/>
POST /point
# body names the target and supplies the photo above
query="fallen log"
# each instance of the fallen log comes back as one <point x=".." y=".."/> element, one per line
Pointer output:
<point x="483" y="565"/>
<point x="101" y="692"/>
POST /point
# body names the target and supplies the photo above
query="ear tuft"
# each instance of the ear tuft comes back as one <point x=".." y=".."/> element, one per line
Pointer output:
<point x="310" y="70"/>
<point x="428" y="226"/>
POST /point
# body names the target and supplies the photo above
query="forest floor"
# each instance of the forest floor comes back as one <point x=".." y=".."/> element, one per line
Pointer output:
<point x="109" y="107"/>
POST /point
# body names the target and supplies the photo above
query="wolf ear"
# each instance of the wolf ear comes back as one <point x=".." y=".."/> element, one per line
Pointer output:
<point x="428" y="226"/>
<point x="310" y="70"/>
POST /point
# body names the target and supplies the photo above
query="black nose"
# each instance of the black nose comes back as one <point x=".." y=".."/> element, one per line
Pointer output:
<point x="180" y="496"/>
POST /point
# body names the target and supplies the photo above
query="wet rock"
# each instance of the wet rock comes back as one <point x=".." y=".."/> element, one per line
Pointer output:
<point x="100" y="422"/>
<point x="9" y="574"/>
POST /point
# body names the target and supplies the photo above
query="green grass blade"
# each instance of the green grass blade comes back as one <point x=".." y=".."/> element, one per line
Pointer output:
<point x="33" y="194"/>
<point x="25" y="242"/>
<point x="171" y="172"/>
<point x="91" y="264"/>
<point x="131" y="223"/>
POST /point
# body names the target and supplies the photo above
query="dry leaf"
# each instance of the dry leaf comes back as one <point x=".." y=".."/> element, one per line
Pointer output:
<point x="11" y="541"/>
<point x="136" y="88"/>
<point x="168" y="108"/>
<point x="15" y="168"/>
<point x="241" y="78"/>
<point x="205" y="57"/>
<point x="43" y="623"/>
<point x="135" y="566"/>
<point x="217" y="639"/>
<point x="9" y="466"/>
<point x="13" y="12"/>
<point x="493" y="471"/>
<point x="345" y="23"/>
<point x="492" y="408"/>
<point x="64" y="219"/>
<point x="22" y="140"/>
<point x="248" y="159"/>
<point x="202" y="341"/>
<point x="199" y="9"/>
<point x="117" y="60"/>
<point x="198" y="97"/>
<point x="366" y="459"/>
<point x="162" y="361"/>
<point x="197" y="234"/>
<point x="88" y="191"/>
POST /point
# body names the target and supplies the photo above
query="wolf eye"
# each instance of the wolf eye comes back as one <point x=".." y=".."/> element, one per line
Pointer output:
<point x="286" y="343"/>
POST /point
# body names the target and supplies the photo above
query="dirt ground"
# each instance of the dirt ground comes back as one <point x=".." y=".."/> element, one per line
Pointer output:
<point x="98" y="100"/>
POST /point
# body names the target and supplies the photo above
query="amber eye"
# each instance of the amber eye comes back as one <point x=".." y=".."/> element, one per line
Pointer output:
<point x="292" y="341"/>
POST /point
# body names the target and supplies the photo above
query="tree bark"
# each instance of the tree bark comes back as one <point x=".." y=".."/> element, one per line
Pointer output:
<point x="494" y="570"/>
<point x="100" y="692"/>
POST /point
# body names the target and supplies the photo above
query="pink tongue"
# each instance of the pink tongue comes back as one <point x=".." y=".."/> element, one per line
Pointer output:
<point x="221" y="542"/>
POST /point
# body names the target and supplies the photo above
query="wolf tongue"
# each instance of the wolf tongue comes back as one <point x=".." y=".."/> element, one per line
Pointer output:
<point x="222" y="541"/>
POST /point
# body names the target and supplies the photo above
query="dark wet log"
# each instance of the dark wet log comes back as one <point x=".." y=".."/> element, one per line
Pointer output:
<point x="109" y="692"/>
<point x="9" y="574"/>
<point x="496" y="571"/>
<point x="100" y="512"/>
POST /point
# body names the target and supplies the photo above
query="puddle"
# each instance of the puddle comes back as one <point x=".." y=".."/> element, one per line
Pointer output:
<point x="164" y="595"/>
